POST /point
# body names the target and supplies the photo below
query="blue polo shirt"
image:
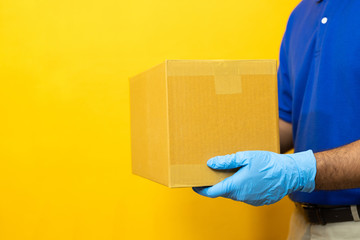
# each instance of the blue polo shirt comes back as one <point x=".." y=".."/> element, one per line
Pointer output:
<point x="319" y="83"/>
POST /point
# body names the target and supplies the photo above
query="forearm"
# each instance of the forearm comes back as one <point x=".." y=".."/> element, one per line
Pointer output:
<point x="338" y="168"/>
<point x="286" y="141"/>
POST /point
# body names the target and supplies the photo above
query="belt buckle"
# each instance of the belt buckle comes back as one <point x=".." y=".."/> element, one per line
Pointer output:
<point x="316" y="210"/>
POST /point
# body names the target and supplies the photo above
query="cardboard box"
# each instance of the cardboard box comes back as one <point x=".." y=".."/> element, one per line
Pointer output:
<point x="183" y="112"/>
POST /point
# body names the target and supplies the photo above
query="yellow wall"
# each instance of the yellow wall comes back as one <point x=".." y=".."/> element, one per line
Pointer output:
<point x="65" y="169"/>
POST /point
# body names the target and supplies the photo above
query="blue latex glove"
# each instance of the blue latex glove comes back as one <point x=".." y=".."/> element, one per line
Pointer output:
<point x="264" y="177"/>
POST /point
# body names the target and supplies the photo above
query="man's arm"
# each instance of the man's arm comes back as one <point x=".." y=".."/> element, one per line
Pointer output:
<point x="286" y="136"/>
<point x="338" y="168"/>
<point x="266" y="177"/>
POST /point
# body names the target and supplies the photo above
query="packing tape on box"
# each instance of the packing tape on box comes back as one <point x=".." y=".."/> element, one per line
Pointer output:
<point x="227" y="73"/>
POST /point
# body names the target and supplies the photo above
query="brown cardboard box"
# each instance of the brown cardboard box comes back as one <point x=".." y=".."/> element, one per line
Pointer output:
<point x="183" y="112"/>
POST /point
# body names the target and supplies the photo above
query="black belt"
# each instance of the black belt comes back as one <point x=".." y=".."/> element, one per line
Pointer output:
<point x="323" y="214"/>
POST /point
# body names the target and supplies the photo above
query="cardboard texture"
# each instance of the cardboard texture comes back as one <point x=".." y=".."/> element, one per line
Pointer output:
<point x="183" y="112"/>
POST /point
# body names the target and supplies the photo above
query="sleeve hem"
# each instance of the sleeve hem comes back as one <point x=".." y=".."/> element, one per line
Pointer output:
<point x="285" y="116"/>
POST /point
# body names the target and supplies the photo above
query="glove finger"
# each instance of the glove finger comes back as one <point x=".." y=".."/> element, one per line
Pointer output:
<point x="229" y="161"/>
<point x="200" y="190"/>
<point x="219" y="189"/>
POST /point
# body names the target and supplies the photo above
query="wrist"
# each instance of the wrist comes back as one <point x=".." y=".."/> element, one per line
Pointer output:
<point x="306" y="165"/>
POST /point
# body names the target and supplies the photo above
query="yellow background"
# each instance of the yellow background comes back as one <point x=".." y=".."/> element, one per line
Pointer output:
<point x="65" y="169"/>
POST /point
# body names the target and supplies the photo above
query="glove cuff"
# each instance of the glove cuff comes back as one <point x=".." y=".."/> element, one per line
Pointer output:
<point x="306" y="164"/>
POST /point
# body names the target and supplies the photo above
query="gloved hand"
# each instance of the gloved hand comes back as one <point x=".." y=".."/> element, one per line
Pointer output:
<point x="264" y="177"/>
